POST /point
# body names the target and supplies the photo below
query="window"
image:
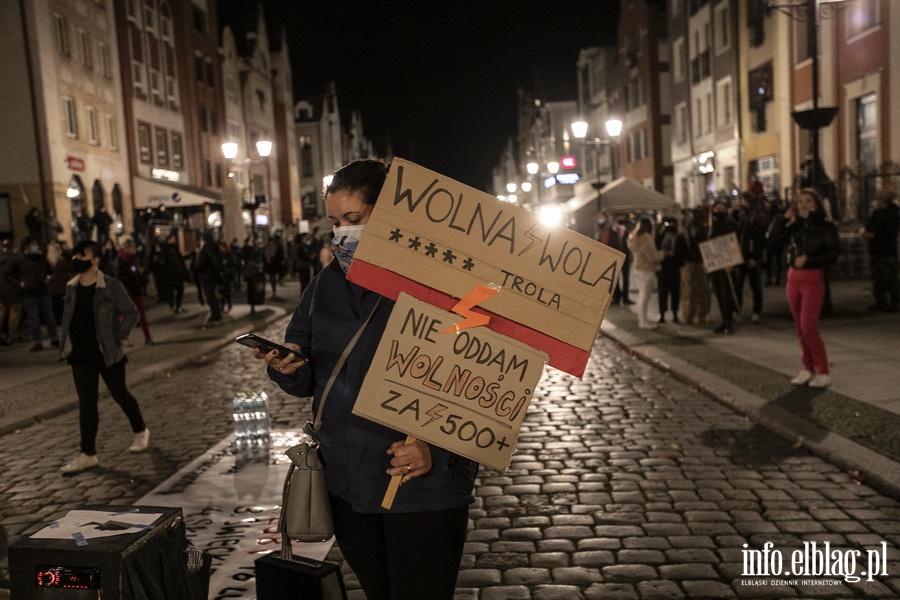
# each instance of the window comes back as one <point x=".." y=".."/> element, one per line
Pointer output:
<point x="862" y="15"/>
<point x="84" y="49"/>
<point x="210" y="74"/>
<point x="681" y="123"/>
<point x="230" y="89"/>
<point x="162" y="146"/>
<point x="131" y="7"/>
<point x="165" y="27"/>
<point x="709" y="116"/>
<point x="149" y="17"/>
<point x="234" y="131"/>
<point x="207" y="173"/>
<point x="698" y="117"/>
<point x="144" y="152"/>
<point x="760" y="94"/>
<point x="867" y="140"/>
<point x="218" y="174"/>
<point x="62" y="35"/>
<point x="177" y="158"/>
<point x="635" y="93"/>
<point x="723" y="103"/>
<point x="137" y="76"/>
<point x="801" y="49"/>
<point x="637" y="146"/>
<point x="155" y="87"/>
<point x="105" y="62"/>
<point x="70" y="117"/>
<point x="171" y="91"/>
<point x="214" y="122"/>
<point x="723" y="27"/>
<point x="199" y="19"/>
<point x="678" y="57"/>
<point x="677" y="7"/>
<point x="112" y="136"/>
<point x="198" y="67"/>
<point x="92" y="125"/>
<point x="201" y="116"/>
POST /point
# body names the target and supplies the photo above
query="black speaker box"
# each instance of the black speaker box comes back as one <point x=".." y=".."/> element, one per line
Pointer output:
<point x="298" y="579"/>
<point x="123" y="566"/>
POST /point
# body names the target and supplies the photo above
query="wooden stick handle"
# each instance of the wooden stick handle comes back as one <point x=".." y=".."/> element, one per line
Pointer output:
<point x="388" y="501"/>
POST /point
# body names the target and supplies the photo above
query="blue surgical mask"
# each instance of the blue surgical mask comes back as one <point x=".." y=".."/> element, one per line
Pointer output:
<point x="344" y="244"/>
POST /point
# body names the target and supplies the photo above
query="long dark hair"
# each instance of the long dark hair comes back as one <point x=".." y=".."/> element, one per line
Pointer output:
<point x="645" y="225"/>
<point x="365" y="176"/>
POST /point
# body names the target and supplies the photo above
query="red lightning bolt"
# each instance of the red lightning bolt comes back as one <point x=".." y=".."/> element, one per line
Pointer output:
<point x="435" y="413"/>
<point x="463" y="308"/>
<point x="534" y="239"/>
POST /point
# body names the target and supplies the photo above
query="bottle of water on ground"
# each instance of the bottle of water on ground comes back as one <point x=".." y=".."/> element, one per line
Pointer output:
<point x="240" y="416"/>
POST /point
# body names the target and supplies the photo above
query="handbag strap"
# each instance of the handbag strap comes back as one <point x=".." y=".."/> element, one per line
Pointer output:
<point x="334" y="373"/>
<point x="312" y="430"/>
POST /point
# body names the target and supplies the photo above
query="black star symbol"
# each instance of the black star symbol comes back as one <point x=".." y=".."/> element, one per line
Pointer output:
<point x="468" y="264"/>
<point x="414" y="243"/>
<point x="449" y="256"/>
<point x="431" y="249"/>
<point x="396" y="236"/>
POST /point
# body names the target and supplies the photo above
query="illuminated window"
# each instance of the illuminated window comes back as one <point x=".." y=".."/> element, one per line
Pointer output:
<point x="862" y="15"/>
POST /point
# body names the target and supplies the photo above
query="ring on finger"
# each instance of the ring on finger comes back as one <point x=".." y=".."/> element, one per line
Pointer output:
<point x="408" y="468"/>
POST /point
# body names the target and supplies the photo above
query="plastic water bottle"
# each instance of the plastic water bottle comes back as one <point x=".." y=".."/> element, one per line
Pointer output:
<point x="260" y="415"/>
<point x="238" y="413"/>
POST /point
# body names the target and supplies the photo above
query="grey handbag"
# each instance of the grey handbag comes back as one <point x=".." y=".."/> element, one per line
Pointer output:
<point x="305" y="505"/>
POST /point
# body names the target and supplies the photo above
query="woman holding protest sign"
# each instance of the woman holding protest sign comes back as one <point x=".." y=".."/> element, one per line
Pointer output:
<point x="414" y="549"/>
<point x="813" y="244"/>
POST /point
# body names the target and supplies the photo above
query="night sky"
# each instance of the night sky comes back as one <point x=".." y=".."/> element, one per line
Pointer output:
<point x="438" y="79"/>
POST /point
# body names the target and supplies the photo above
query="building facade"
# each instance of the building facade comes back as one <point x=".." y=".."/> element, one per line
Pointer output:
<point x="64" y="159"/>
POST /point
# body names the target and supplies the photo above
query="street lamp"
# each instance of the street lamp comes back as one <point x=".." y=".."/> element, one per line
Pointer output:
<point x="613" y="131"/>
<point x="264" y="148"/>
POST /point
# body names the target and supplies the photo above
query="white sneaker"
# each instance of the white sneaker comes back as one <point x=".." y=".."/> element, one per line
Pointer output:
<point x="822" y="380"/>
<point x="803" y="377"/>
<point x="141" y="441"/>
<point x="80" y="463"/>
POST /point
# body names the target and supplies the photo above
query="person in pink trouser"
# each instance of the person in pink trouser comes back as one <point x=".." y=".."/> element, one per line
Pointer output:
<point x="813" y="244"/>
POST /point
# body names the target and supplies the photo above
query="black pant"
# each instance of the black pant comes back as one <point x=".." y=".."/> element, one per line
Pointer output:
<point x="87" y="386"/>
<point x="668" y="286"/>
<point x="724" y="295"/>
<point x="402" y="556"/>
<point x="753" y="276"/>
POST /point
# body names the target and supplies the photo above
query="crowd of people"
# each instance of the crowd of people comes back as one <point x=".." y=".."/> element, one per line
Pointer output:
<point x="33" y="276"/>
<point x="793" y="245"/>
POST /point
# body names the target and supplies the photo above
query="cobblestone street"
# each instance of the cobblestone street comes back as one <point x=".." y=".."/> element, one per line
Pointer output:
<point x="627" y="484"/>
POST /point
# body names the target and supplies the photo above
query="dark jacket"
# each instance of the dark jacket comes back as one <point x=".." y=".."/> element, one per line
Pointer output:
<point x="10" y="290"/>
<point x="354" y="449"/>
<point x="115" y="316"/>
<point x="884" y="225"/>
<point x="815" y="237"/>
<point x="751" y="229"/>
<point x="31" y="272"/>
<point x="208" y="265"/>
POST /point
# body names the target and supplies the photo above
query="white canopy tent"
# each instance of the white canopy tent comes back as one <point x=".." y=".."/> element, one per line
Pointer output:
<point x="627" y="195"/>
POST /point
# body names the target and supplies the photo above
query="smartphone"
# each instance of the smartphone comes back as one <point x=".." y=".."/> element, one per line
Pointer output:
<point x="251" y="340"/>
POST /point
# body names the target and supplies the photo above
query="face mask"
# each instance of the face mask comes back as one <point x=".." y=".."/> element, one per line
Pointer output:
<point x="81" y="266"/>
<point x="344" y="244"/>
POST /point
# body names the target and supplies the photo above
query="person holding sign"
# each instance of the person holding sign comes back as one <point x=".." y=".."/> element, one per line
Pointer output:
<point x="813" y="244"/>
<point x="413" y="550"/>
<point x="647" y="261"/>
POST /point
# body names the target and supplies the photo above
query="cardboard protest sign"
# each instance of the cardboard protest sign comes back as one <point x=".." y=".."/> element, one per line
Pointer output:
<point x="466" y="392"/>
<point x="721" y="252"/>
<point x="436" y="239"/>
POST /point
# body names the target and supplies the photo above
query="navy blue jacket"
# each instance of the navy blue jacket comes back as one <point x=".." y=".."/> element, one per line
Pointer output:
<point x="354" y="450"/>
